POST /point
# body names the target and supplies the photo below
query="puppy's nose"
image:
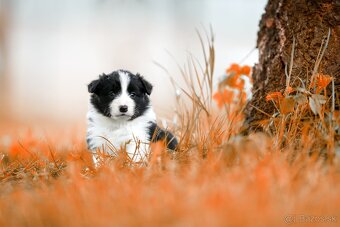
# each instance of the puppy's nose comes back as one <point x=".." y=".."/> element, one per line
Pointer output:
<point x="123" y="109"/>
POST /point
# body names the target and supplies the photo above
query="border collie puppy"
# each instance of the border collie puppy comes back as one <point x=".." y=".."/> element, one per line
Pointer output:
<point x="120" y="116"/>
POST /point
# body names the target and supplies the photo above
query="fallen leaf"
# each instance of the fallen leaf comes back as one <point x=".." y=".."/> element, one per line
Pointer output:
<point x="287" y="105"/>
<point x="315" y="106"/>
<point x="319" y="98"/>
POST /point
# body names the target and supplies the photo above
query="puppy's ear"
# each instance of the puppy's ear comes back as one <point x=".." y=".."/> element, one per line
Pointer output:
<point x="96" y="85"/>
<point x="93" y="87"/>
<point x="147" y="86"/>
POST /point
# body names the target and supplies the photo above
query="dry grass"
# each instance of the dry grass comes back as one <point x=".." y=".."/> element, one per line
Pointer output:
<point x="217" y="178"/>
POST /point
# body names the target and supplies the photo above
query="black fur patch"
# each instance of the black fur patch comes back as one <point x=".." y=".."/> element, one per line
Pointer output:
<point x="104" y="90"/>
<point x="158" y="134"/>
<point x="139" y="93"/>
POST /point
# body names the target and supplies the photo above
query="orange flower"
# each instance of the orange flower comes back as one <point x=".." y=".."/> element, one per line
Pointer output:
<point x="225" y="97"/>
<point x="321" y="81"/>
<point x="234" y="68"/>
<point x="245" y="70"/>
<point x="238" y="70"/>
<point x="233" y="81"/>
<point x="239" y="85"/>
<point x="275" y="96"/>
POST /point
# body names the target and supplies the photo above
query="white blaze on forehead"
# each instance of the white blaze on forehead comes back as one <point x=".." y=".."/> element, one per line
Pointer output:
<point x="124" y="81"/>
<point x="123" y="99"/>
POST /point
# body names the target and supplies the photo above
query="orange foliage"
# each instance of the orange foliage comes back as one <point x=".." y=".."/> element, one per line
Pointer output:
<point x="274" y="96"/>
<point x="238" y="70"/>
<point x="287" y="105"/>
<point x="228" y="188"/>
<point x="232" y="87"/>
<point x="321" y="81"/>
<point x="234" y="81"/>
<point x="222" y="98"/>
<point x="233" y="68"/>
<point x="24" y="148"/>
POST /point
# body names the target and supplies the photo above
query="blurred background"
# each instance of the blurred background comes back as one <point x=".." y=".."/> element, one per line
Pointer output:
<point x="51" y="49"/>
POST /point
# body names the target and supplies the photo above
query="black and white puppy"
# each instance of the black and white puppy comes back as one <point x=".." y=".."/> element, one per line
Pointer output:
<point x="120" y="116"/>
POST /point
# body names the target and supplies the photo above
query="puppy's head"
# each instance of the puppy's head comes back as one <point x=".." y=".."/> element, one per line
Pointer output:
<point x="120" y="95"/>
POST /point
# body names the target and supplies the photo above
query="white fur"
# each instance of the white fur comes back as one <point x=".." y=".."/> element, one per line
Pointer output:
<point x="110" y="135"/>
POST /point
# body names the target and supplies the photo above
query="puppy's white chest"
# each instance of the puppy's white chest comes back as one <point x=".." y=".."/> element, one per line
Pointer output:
<point x="125" y="135"/>
<point x="116" y="137"/>
<point x="131" y="139"/>
<point x="113" y="137"/>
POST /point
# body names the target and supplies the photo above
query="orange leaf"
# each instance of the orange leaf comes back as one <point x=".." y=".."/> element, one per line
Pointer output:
<point x="245" y="70"/>
<point x="287" y="105"/>
<point x="225" y="97"/>
<point x="321" y="81"/>
<point x="275" y="96"/>
<point x="234" y="81"/>
<point x="219" y="99"/>
<point x="234" y="68"/>
<point x="228" y="96"/>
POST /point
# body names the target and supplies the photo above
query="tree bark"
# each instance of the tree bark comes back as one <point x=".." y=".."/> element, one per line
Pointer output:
<point x="308" y="21"/>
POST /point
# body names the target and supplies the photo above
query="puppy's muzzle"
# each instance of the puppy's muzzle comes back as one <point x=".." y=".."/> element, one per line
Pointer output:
<point x="123" y="109"/>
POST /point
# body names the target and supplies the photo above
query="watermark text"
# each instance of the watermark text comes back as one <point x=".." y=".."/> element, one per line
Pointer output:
<point x="304" y="218"/>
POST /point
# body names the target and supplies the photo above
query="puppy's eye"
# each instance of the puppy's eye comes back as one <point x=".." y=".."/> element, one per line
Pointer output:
<point x="111" y="93"/>
<point x="132" y="94"/>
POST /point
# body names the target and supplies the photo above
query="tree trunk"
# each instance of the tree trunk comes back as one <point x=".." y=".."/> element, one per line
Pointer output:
<point x="308" y="21"/>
